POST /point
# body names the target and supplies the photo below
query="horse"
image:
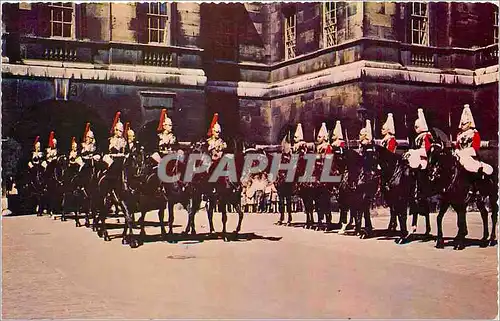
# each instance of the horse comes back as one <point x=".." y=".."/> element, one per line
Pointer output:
<point x="397" y="185"/>
<point x="113" y="187"/>
<point x="358" y="186"/>
<point x="223" y="190"/>
<point x="452" y="182"/>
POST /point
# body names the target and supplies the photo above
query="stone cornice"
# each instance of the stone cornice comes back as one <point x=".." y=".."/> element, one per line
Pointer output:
<point x="357" y="71"/>
<point x="115" y="73"/>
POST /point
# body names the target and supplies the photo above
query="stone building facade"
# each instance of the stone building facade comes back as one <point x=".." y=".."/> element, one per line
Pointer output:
<point x="262" y="66"/>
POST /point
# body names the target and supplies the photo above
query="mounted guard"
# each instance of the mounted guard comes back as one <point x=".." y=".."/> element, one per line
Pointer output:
<point x="51" y="151"/>
<point x="133" y="144"/>
<point x="417" y="157"/>
<point x="323" y="146"/>
<point x="468" y="144"/>
<point x="338" y="142"/>
<point x="117" y="142"/>
<point x="216" y="145"/>
<point x="37" y="154"/>
<point x="167" y="142"/>
<point x="367" y="151"/>
<point x="389" y="132"/>
<point x="299" y="146"/>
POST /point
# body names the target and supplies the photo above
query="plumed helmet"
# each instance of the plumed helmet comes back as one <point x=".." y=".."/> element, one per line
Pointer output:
<point x="389" y="124"/>
<point x="337" y="131"/>
<point x="421" y="123"/>
<point x="299" y="134"/>
<point x="467" y="117"/>
<point x="323" y="131"/>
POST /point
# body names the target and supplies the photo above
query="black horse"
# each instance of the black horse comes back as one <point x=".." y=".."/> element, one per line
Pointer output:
<point x="358" y="186"/>
<point x="113" y="188"/>
<point x="453" y="183"/>
<point x="223" y="191"/>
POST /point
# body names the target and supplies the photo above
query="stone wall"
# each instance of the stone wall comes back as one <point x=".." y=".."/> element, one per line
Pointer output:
<point x="188" y="115"/>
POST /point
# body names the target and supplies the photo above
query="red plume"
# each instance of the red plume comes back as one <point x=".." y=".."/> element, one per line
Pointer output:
<point x="117" y="116"/>
<point x="73" y="140"/>
<point x="87" y="128"/>
<point x="51" y="139"/>
<point x="212" y="124"/>
<point x="127" y="127"/>
<point x="162" y="119"/>
<point x="36" y="140"/>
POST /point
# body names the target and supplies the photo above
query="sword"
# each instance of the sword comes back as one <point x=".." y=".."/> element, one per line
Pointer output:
<point x="449" y="124"/>
<point x="347" y="137"/>
<point x="407" y="131"/>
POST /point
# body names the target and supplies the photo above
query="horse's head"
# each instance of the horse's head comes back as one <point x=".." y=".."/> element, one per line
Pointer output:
<point x="437" y="158"/>
<point x="136" y="163"/>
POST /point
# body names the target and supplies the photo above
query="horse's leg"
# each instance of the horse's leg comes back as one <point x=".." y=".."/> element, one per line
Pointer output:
<point x="224" y="220"/>
<point x="210" y="213"/>
<point x="129" y="224"/>
<point x="142" y="224"/>
<point x="281" y="206"/>
<point x="161" y="218"/>
<point x="414" y="218"/>
<point x="484" y="217"/>
<point x="343" y="219"/>
<point x="401" y="211"/>
<point x="368" y="222"/>
<point x="461" y="210"/>
<point x="289" y="209"/>
<point x="427" y="210"/>
<point x="237" y="207"/>
<point x="494" y="218"/>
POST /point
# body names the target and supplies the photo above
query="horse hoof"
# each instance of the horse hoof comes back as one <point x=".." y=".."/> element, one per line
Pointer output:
<point x="459" y="247"/>
<point x="107" y="238"/>
<point x="134" y="244"/>
<point x="78" y="224"/>
<point x="278" y="223"/>
<point x="493" y="242"/>
<point x="124" y="241"/>
<point x="439" y="244"/>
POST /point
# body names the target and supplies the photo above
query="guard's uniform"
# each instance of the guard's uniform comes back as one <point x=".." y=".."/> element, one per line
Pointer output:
<point x="215" y="144"/>
<point x="468" y="144"/>
<point x="338" y="144"/>
<point x="36" y="155"/>
<point x="116" y="143"/>
<point x="51" y="151"/>
<point x="367" y="151"/>
<point x="417" y="157"/>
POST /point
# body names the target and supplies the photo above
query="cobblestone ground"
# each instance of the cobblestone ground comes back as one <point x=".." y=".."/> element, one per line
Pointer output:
<point x="52" y="269"/>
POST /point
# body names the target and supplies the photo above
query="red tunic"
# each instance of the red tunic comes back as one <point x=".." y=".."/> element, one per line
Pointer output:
<point x="465" y="140"/>
<point x="390" y="144"/>
<point x="424" y="140"/>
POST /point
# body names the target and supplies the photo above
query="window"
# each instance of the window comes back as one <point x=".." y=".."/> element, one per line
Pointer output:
<point x="495" y="25"/>
<point x="61" y="19"/>
<point x="419" y="20"/>
<point x="225" y="39"/>
<point x="158" y="23"/>
<point x="329" y="24"/>
<point x="61" y="88"/>
<point x="290" y="35"/>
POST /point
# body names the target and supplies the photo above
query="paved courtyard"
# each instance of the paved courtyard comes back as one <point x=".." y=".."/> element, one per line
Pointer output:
<point x="52" y="269"/>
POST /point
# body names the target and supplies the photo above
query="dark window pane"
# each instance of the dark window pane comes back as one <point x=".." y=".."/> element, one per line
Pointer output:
<point x="57" y="29"/>
<point x="57" y="14"/>
<point x="154" y="36"/>
<point x="162" y="23"/>
<point x="163" y="8"/>
<point x="66" y="30"/>
<point x="67" y="15"/>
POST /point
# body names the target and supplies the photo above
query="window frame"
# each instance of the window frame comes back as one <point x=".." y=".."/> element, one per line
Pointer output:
<point x="422" y="24"/>
<point x="290" y="35"/>
<point x="495" y="25"/>
<point x="331" y="23"/>
<point x="158" y="16"/>
<point x="64" y="7"/>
